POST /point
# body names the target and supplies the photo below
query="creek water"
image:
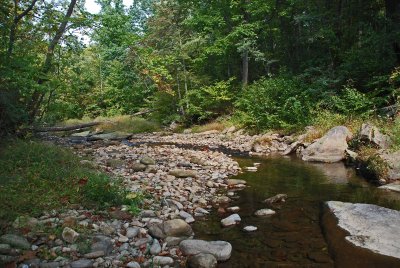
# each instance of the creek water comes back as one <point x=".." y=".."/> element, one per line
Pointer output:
<point x="293" y="237"/>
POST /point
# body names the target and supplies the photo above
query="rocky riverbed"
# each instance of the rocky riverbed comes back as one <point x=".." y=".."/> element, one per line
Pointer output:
<point x="181" y="185"/>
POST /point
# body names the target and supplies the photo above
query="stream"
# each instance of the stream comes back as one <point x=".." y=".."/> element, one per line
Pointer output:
<point x="293" y="237"/>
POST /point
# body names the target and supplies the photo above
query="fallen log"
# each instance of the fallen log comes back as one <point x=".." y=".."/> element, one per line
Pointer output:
<point x="66" y="128"/>
<point x="144" y="112"/>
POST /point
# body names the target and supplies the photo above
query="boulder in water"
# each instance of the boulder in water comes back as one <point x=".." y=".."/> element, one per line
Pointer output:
<point x="330" y="148"/>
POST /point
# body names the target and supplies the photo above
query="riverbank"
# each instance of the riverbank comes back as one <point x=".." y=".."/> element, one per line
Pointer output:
<point x="176" y="186"/>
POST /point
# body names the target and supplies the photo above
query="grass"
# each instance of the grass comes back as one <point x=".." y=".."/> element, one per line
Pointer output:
<point x="121" y="123"/>
<point x="220" y="124"/>
<point x="37" y="177"/>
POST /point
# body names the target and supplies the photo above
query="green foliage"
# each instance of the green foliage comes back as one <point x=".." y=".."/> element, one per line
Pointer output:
<point x="273" y="103"/>
<point x="37" y="177"/>
<point x="104" y="192"/>
<point x="351" y="102"/>
<point x="164" y="106"/>
<point x="208" y="102"/>
<point x="395" y="133"/>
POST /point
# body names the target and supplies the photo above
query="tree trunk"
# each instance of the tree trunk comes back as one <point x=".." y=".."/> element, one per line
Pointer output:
<point x="393" y="13"/>
<point x="13" y="29"/>
<point x="37" y="97"/>
<point x="245" y="68"/>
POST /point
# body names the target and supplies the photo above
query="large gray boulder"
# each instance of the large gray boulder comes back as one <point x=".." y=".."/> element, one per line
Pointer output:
<point x="330" y="148"/>
<point x="175" y="228"/>
<point x="355" y="229"/>
<point x="371" y="134"/>
<point x="15" y="241"/>
<point x="392" y="160"/>
<point x="220" y="249"/>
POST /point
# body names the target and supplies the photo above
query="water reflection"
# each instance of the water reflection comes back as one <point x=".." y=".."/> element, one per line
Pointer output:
<point x="293" y="236"/>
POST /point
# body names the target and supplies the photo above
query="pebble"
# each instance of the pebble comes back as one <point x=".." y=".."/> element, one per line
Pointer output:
<point x="250" y="228"/>
<point x="133" y="264"/>
<point x="155" y="248"/>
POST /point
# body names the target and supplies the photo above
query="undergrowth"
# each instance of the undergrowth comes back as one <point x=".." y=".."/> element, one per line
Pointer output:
<point x="37" y="177"/>
<point x="122" y="123"/>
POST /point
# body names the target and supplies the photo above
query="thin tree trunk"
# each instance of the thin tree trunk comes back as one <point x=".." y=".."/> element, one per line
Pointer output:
<point x="179" y="93"/>
<point x="185" y="83"/>
<point x="393" y="13"/>
<point x="14" y="26"/>
<point x="245" y="68"/>
<point x="37" y="97"/>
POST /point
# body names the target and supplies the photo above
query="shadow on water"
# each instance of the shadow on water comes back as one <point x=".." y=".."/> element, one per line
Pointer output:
<point x="292" y="237"/>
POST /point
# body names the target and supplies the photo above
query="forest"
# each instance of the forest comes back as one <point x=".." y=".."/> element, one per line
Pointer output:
<point x="199" y="134"/>
<point x="260" y="64"/>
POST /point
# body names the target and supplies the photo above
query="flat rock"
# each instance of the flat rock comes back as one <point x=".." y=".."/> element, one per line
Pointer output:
<point x="202" y="260"/>
<point x="395" y="187"/>
<point x="233" y="182"/>
<point x="231" y="220"/>
<point x="163" y="261"/>
<point x="220" y="249"/>
<point x="81" y="134"/>
<point x="330" y="148"/>
<point x="147" y="160"/>
<point x="94" y="254"/>
<point x="15" y="241"/>
<point x="183" y="173"/>
<point x="233" y="209"/>
<point x="111" y="136"/>
<point x="276" y="198"/>
<point x="369" y="226"/>
<point x="82" y="263"/>
<point x="264" y="212"/>
<point x="250" y="228"/>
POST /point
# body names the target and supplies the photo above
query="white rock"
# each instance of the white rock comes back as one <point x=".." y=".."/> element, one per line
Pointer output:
<point x="250" y="228"/>
<point x="368" y="226"/>
<point x="233" y="209"/>
<point x="264" y="212"/>
<point x="231" y="220"/>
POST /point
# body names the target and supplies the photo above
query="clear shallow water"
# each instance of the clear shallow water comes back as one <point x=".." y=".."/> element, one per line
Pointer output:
<point x="293" y="237"/>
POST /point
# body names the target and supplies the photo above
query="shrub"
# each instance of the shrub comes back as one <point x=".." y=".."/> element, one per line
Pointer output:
<point x="351" y="102"/>
<point x="103" y="192"/>
<point x="273" y="103"/>
<point x="208" y="102"/>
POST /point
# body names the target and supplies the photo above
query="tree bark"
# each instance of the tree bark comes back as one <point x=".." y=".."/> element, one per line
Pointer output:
<point x="245" y="68"/>
<point x="393" y="13"/>
<point x="37" y="97"/>
<point x="74" y="127"/>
